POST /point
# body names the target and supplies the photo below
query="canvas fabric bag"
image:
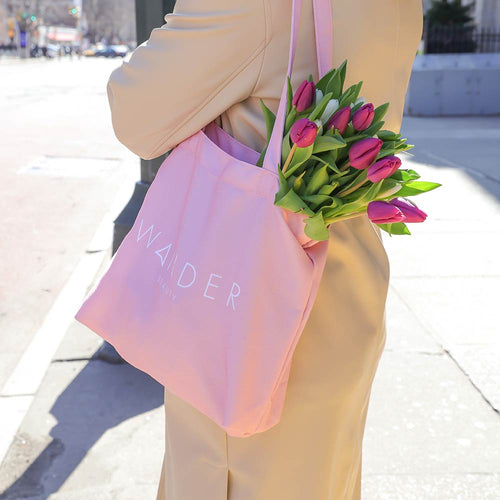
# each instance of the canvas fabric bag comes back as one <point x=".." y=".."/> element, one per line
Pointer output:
<point x="211" y="288"/>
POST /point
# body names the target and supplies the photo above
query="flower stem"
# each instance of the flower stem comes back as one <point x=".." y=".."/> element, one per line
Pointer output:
<point x="343" y="217"/>
<point x="344" y="165"/>
<point x="289" y="158"/>
<point x="353" y="188"/>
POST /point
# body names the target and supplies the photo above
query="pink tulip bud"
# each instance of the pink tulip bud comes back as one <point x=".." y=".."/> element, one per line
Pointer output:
<point x="382" y="212"/>
<point x="305" y="95"/>
<point x="363" y="153"/>
<point x="340" y="119"/>
<point x="411" y="213"/>
<point x="303" y="132"/>
<point x="363" y="117"/>
<point x="383" y="168"/>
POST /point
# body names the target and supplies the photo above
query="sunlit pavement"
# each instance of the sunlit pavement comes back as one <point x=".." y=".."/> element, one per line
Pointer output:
<point x="95" y="430"/>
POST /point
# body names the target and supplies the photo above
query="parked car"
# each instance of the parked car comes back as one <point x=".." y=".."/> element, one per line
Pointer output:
<point x="112" y="51"/>
<point x="121" y="49"/>
<point x="52" y="50"/>
<point x="89" y="52"/>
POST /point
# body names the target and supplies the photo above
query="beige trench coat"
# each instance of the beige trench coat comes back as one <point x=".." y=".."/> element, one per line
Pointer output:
<point x="214" y="59"/>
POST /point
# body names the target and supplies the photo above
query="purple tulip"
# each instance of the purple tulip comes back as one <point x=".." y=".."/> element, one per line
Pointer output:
<point x="303" y="132"/>
<point x="305" y="95"/>
<point x="382" y="212"/>
<point x="411" y="213"/>
<point x="363" y="153"/>
<point x="340" y="119"/>
<point x="383" y="168"/>
<point x="363" y="117"/>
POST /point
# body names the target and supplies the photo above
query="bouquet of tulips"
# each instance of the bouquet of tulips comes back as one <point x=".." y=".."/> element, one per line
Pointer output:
<point x="338" y="163"/>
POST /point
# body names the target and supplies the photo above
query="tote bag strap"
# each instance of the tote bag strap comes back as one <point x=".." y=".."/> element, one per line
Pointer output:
<point x="323" y="29"/>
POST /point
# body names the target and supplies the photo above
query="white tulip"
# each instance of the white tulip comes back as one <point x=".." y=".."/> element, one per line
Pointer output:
<point x="331" y="107"/>
<point x="319" y="96"/>
<point x="358" y="100"/>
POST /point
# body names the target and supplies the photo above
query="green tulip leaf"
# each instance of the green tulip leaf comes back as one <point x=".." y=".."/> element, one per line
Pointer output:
<point x="299" y="157"/>
<point x="395" y="228"/>
<point x="330" y="158"/>
<point x="293" y="202"/>
<point x="371" y="193"/>
<point x="342" y="70"/>
<point x="299" y="186"/>
<point x="386" y="152"/>
<point x="315" y="200"/>
<point x="358" y="177"/>
<point x="356" y="137"/>
<point x="323" y="81"/>
<point x="346" y="178"/>
<point x="321" y="106"/>
<point x="351" y="207"/>
<point x="319" y="178"/>
<point x="373" y="128"/>
<point x="350" y="95"/>
<point x="413" y="188"/>
<point x="388" y="145"/>
<point x="380" y="112"/>
<point x="270" y="118"/>
<point x="315" y="228"/>
<point x="389" y="189"/>
<point x="357" y="90"/>
<point x="326" y="189"/>
<point x="349" y="131"/>
<point x="260" y="161"/>
<point x="283" y="185"/>
<point x="330" y="211"/>
<point x="404" y="175"/>
<point x="335" y="85"/>
<point x="289" y="95"/>
<point x="388" y="135"/>
<point x="285" y="148"/>
<point x="333" y="205"/>
<point x="327" y="143"/>
<point x="355" y="108"/>
<point x="290" y="119"/>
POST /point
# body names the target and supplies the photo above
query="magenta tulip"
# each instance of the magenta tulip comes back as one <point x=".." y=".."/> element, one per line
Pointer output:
<point x="382" y="212"/>
<point x="383" y="168"/>
<point x="340" y="119"/>
<point x="363" y="153"/>
<point x="411" y="213"/>
<point x="305" y="95"/>
<point x="363" y="117"/>
<point x="303" y="132"/>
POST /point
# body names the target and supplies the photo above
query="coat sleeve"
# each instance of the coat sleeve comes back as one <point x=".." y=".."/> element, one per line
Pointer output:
<point x="205" y="58"/>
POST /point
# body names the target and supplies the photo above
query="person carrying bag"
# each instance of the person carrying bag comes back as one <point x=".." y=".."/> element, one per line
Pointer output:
<point x="266" y="394"/>
<point x="211" y="288"/>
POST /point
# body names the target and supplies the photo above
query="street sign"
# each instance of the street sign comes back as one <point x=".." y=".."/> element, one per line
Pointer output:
<point x="22" y="39"/>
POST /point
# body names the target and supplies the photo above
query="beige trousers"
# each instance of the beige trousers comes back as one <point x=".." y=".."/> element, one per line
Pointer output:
<point x="315" y="451"/>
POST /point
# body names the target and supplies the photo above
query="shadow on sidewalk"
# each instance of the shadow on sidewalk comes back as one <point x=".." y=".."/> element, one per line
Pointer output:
<point x="466" y="143"/>
<point x="100" y="397"/>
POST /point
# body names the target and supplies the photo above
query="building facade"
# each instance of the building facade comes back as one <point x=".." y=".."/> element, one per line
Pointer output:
<point x="486" y="13"/>
<point x="109" y="21"/>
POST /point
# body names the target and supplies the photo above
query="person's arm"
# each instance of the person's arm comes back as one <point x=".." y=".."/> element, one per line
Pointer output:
<point x="206" y="58"/>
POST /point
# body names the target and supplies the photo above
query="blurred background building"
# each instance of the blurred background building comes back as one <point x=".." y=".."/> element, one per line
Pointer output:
<point x="76" y="22"/>
<point x="486" y="13"/>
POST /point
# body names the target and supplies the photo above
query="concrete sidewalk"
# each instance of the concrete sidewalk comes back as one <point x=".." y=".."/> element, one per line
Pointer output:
<point x="95" y="430"/>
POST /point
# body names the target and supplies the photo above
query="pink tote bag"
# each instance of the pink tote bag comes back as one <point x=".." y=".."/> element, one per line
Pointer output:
<point x="211" y="288"/>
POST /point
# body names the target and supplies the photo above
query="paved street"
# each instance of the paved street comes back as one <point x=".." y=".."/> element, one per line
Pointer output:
<point x="61" y="167"/>
<point x="83" y="428"/>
